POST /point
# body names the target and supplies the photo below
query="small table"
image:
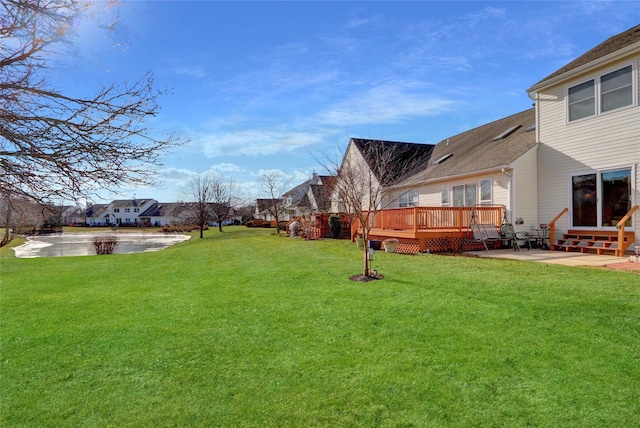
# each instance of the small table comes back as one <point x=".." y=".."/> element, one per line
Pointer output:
<point x="542" y="238"/>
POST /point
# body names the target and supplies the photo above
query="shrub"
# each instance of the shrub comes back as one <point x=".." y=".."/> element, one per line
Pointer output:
<point x="105" y="244"/>
<point x="335" y="226"/>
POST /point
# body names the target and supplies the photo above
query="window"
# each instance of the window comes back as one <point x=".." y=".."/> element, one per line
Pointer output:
<point x="485" y="192"/>
<point x="116" y="210"/>
<point x="444" y="196"/>
<point x="602" y="94"/>
<point x="136" y="210"/>
<point x="582" y="100"/>
<point x="601" y="198"/>
<point x="127" y="210"/>
<point x="616" y="89"/>
<point x="409" y="199"/>
<point x="464" y="195"/>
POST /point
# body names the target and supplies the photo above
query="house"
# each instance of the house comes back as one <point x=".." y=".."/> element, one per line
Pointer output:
<point x="588" y="129"/>
<point x="370" y="165"/>
<point x="493" y="164"/>
<point x="126" y="212"/>
<point x="572" y="162"/>
<point x="308" y="197"/>
<point x="164" y="214"/>
<point x="135" y="212"/>
<point x="98" y="215"/>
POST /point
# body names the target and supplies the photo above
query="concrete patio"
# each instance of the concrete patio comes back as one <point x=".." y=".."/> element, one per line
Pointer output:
<point x="562" y="258"/>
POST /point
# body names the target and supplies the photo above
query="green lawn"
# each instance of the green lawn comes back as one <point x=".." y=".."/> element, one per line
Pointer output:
<point x="249" y="329"/>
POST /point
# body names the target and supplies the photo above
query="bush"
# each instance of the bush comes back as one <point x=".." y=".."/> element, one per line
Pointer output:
<point x="335" y="226"/>
<point x="105" y="244"/>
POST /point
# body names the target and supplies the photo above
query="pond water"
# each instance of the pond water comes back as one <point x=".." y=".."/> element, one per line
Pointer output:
<point x="81" y="244"/>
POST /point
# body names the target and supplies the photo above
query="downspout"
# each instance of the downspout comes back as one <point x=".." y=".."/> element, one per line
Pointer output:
<point x="536" y="100"/>
<point x="510" y="207"/>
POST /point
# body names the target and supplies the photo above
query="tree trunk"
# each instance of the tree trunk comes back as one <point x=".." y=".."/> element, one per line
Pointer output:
<point x="220" y="226"/>
<point x="366" y="258"/>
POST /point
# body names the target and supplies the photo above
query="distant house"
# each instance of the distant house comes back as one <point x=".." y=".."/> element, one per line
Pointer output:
<point x="311" y="196"/>
<point x="98" y="215"/>
<point x="135" y="212"/>
<point x="164" y="214"/>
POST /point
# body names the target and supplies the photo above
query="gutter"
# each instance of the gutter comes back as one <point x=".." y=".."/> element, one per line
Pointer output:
<point x="499" y="168"/>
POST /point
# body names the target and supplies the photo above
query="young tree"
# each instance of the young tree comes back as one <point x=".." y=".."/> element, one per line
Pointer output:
<point x="363" y="178"/>
<point x="222" y="193"/>
<point x="198" y="207"/>
<point x="55" y="145"/>
<point x="275" y="183"/>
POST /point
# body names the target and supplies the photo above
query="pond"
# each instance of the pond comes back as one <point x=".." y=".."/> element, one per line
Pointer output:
<point x="81" y="244"/>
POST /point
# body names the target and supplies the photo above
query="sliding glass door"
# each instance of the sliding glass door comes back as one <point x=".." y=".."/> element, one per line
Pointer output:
<point x="600" y="199"/>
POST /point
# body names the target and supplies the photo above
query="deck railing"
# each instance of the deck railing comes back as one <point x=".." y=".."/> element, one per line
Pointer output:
<point x="434" y="218"/>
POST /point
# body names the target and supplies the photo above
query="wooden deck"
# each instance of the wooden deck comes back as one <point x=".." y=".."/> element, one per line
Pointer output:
<point x="433" y="229"/>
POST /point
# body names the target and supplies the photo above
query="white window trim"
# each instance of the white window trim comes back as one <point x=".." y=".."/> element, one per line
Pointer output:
<point x="445" y="188"/>
<point x="489" y="201"/>
<point x="598" y="93"/>
<point x="413" y="202"/>
<point x="598" y="173"/>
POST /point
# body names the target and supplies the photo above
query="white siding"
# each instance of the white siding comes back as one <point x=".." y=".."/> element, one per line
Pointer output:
<point x="610" y="140"/>
<point x="525" y="182"/>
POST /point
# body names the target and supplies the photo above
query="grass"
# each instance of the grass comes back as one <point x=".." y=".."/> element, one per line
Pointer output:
<point x="248" y="329"/>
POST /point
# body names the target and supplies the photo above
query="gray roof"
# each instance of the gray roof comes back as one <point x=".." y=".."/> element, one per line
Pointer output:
<point x="125" y="203"/>
<point x="408" y="158"/>
<point x="163" y="209"/>
<point x="489" y="146"/>
<point x="605" y="48"/>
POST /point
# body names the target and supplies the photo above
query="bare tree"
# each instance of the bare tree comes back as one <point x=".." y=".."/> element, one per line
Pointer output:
<point x="55" y="146"/>
<point x="198" y="207"/>
<point x="222" y="193"/>
<point x="365" y="174"/>
<point x="275" y="183"/>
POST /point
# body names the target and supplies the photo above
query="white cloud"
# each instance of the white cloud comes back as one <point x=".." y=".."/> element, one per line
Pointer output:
<point x="256" y="142"/>
<point x="227" y="167"/>
<point x="191" y="71"/>
<point x="387" y="103"/>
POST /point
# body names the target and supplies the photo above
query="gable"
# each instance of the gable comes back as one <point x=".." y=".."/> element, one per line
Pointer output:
<point x="393" y="161"/>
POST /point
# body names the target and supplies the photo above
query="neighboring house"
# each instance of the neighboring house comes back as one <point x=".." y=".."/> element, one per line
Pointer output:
<point x="265" y="209"/>
<point x="131" y="212"/>
<point x="494" y="164"/>
<point x="588" y="118"/>
<point x="71" y="215"/>
<point x="126" y="212"/>
<point x="379" y="163"/>
<point x="312" y="196"/>
<point x="305" y="198"/>
<point x="164" y="214"/>
<point x="98" y="215"/>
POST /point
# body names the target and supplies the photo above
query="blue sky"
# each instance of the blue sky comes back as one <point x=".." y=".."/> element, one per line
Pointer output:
<point x="260" y="86"/>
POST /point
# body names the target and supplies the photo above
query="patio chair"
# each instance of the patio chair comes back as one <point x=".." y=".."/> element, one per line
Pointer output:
<point x="515" y="238"/>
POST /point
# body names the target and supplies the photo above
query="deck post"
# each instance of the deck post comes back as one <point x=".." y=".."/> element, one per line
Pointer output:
<point x="415" y="220"/>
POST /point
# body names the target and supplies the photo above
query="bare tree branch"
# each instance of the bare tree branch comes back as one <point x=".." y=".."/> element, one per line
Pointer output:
<point x="54" y="146"/>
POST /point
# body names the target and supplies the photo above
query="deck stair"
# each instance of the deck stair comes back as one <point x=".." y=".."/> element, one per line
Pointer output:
<point x="595" y="241"/>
